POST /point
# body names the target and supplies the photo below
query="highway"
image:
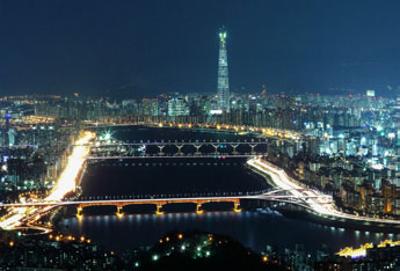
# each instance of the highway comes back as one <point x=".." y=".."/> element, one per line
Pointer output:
<point x="66" y="183"/>
<point x="316" y="201"/>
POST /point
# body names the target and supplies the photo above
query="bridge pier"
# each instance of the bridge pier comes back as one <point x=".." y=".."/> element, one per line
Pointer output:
<point x="161" y="148"/>
<point x="79" y="212"/>
<point x="236" y="207"/>
<point x="120" y="212"/>
<point x="197" y="149"/>
<point x="252" y="146"/>
<point x="179" y="147"/>
<point x="199" y="210"/>
<point x="159" y="210"/>
<point x="234" y="147"/>
<point x="215" y="148"/>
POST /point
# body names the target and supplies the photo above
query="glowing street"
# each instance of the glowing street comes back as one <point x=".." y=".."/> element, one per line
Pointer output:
<point x="319" y="204"/>
<point x="65" y="184"/>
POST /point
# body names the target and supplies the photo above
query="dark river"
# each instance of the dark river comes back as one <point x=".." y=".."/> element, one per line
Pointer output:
<point x="255" y="227"/>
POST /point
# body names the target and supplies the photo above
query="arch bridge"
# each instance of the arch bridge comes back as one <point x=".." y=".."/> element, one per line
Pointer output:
<point x="179" y="148"/>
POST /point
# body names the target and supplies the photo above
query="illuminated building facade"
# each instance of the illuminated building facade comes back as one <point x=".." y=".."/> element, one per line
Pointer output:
<point x="177" y="106"/>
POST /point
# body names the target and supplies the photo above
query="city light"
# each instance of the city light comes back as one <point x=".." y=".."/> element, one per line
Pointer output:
<point x="68" y="178"/>
<point x="362" y="250"/>
<point x="139" y="118"/>
<point x="319" y="203"/>
<point x="65" y="184"/>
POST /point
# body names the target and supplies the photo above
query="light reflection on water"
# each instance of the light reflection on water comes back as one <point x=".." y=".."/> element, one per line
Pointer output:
<point x="253" y="228"/>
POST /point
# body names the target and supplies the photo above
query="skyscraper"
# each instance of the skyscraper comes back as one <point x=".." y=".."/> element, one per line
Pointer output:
<point x="223" y="78"/>
<point x="396" y="119"/>
<point x="6" y="128"/>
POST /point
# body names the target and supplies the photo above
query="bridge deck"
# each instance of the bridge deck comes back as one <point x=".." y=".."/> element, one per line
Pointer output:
<point x="160" y="201"/>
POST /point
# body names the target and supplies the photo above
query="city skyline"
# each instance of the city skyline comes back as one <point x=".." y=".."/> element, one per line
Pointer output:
<point x="101" y="49"/>
<point x="199" y="135"/>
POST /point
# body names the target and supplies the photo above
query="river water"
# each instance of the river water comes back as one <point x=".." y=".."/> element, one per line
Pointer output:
<point x="254" y="227"/>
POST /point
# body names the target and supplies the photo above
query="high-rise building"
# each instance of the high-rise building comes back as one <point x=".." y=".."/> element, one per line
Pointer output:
<point x="6" y="128"/>
<point x="177" y="107"/>
<point x="150" y="107"/>
<point x="11" y="137"/>
<point x="396" y="118"/>
<point x="223" y="77"/>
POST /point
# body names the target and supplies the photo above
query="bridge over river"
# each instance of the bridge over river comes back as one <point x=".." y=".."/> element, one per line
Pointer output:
<point x="273" y="195"/>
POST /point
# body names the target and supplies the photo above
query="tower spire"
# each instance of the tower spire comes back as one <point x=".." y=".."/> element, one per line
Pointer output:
<point x="223" y="77"/>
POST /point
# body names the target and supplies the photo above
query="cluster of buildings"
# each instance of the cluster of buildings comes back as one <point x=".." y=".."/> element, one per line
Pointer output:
<point x="351" y="150"/>
<point x="35" y="152"/>
<point x="54" y="253"/>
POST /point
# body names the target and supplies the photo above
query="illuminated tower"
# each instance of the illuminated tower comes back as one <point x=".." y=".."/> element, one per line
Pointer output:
<point x="223" y="78"/>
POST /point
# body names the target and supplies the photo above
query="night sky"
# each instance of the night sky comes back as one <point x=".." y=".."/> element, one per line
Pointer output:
<point x="143" y="48"/>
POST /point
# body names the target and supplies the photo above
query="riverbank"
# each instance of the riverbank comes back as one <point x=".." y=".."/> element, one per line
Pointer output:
<point x="316" y="202"/>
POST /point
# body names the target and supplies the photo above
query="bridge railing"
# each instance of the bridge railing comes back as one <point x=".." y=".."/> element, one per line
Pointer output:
<point x="176" y="195"/>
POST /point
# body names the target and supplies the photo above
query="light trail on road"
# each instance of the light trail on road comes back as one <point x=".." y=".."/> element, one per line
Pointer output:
<point x="65" y="184"/>
<point x="318" y="202"/>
